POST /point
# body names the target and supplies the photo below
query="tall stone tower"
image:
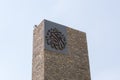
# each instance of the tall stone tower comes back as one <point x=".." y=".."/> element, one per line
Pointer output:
<point x="59" y="53"/>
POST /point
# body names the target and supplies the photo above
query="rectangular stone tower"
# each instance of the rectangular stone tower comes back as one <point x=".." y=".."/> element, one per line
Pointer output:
<point x="59" y="53"/>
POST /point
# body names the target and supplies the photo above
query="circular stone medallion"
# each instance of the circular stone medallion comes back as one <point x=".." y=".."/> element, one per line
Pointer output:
<point x="55" y="39"/>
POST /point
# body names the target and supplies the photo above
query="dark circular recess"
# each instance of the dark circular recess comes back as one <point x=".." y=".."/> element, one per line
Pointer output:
<point x="55" y="39"/>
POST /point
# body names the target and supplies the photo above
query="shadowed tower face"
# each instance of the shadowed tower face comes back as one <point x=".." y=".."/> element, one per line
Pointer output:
<point x="59" y="53"/>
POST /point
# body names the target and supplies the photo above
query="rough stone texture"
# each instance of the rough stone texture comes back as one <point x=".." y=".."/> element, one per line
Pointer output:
<point x="49" y="65"/>
<point x="38" y="53"/>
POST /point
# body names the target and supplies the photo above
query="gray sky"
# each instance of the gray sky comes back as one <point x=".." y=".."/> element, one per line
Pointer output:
<point x="100" y="19"/>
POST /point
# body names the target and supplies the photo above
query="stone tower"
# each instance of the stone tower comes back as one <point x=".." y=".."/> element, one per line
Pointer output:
<point x="59" y="53"/>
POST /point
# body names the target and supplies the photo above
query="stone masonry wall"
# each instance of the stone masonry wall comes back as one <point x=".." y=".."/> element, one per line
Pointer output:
<point x="71" y="66"/>
<point x="38" y="53"/>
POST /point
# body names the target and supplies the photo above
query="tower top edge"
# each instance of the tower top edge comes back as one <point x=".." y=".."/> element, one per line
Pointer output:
<point x="46" y="20"/>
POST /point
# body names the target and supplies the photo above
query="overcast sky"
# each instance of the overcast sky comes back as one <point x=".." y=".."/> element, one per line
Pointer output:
<point x="100" y="19"/>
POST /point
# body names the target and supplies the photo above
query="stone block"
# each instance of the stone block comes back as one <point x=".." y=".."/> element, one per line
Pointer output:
<point x="59" y="53"/>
